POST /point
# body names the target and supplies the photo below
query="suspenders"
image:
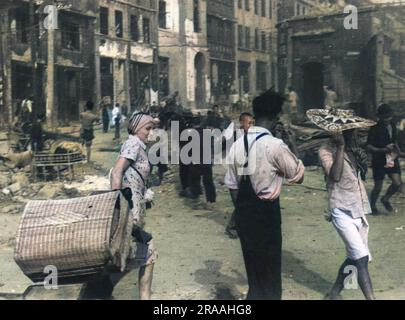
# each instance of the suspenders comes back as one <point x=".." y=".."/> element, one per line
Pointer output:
<point x="246" y="143"/>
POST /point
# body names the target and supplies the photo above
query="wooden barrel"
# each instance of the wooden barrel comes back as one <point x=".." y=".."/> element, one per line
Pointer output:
<point x="78" y="236"/>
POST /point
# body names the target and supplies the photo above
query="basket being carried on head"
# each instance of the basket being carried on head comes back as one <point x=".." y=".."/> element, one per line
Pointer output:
<point x="80" y="237"/>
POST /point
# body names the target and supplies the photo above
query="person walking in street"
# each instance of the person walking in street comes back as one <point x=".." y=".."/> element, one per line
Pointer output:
<point x="105" y="118"/>
<point x="116" y="118"/>
<point x="345" y="167"/>
<point x="131" y="171"/>
<point x="203" y="170"/>
<point x="87" y="119"/>
<point x="259" y="165"/>
<point x="292" y="97"/>
<point x="382" y="142"/>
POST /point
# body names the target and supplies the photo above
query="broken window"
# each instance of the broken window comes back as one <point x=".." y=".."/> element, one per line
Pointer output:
<point x="162" y="14"/>
<point x="71" y="36"/>
<point x="134" y="28"/>
<point x="146" y="30"/>
<point x="104" y="21"/>
<point x="118" y="24"/>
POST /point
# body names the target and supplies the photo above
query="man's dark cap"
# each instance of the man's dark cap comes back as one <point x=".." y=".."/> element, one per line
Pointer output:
<point x="384" y="111"/>
<point x="268" y="104"/>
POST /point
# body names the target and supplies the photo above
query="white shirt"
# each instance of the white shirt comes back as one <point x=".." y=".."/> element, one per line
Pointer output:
<point x="115" y="113"/>
<point x="271" y="163"/>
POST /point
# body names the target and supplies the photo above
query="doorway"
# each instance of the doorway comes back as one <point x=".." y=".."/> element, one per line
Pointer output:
<point x="312" y="88"/>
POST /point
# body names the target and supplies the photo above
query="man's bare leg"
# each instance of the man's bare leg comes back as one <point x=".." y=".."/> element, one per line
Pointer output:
<point x="145" y="282"/>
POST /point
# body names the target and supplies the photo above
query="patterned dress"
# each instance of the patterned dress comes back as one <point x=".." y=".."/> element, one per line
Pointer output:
<point x="142" y="253"/>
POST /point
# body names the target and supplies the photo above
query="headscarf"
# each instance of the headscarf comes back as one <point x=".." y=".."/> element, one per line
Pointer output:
<point x="138" y="121"/>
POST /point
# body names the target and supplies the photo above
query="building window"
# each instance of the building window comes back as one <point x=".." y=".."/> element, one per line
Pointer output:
<point x="164" y="89"/>
<point x="104" y="20"/>
<point x="162" y="15"/>
<point x="146" y="30"/>
<point x="241" y="37"/>
<point x="196" y="15"/>
<point x="247" y="37"/>
<point x="257" y="40"/>
<point x="70" y="36"/>
<point x="247" y="5"/>
<point x="264" y="42"/>
<point x="22" y="26"/>
<point x="134" y="28"/>
<point x="240" y="4"/>
<point x="257" y="7"/>
<point x="261" y="73"/>
<point x="271" y="9"/>
<point x="264" y="8"/>
<point x="118" y="24"/>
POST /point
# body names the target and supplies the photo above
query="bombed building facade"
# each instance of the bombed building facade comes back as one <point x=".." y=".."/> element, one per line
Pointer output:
<point x="53" y="65"/>
<point x="183" y="52"/>
<point x="363" y="65"/>
<point x="126" y="51"/>
<point x="256" y="46"/>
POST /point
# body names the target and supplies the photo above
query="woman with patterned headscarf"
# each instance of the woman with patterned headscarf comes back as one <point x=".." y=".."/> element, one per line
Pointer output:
<point x="131" y="172"/>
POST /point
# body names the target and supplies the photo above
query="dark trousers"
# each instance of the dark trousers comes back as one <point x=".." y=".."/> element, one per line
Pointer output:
<point x="117" y="130"/>
<point x="205" y="171"/>
<point x="258" y="225"/>
<point x="184" y="175"/>
<point x="106" y="124"/>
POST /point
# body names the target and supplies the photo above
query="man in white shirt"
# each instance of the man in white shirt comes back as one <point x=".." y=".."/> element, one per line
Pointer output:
<point x="116" y="119"/>
<point x="259" y="165"/>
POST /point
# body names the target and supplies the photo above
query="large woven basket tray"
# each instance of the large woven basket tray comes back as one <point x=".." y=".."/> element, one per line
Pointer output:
<point x="78" y="236"/>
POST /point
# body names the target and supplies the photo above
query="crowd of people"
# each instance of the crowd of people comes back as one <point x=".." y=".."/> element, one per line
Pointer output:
<point x="270" y="159"/>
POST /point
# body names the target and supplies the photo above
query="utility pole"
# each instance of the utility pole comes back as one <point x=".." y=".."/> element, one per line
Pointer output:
<point x="34" y="50"/>
<point x="50" y="83"/>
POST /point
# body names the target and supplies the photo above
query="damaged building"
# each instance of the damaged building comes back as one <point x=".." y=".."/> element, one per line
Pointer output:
<point x="256" y="46"/>
<point x="364" y="66"/>
<point x="126" y="52"/>
<point x="184" y="64"/>
<point x="53" y="64"/>
<point x="222" y="48"/>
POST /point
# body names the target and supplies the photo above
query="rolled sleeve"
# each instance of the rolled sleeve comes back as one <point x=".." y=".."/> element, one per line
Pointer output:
<point x="288" y="165"/>
<point x="326" y="158"/>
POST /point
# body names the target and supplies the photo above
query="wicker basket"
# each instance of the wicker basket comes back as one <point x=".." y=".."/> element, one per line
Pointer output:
<point x="78" y="236"/>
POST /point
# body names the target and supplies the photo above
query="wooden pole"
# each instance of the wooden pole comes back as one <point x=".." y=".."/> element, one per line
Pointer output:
<point x="50" y="84"/>
<point x="34" y="50"/>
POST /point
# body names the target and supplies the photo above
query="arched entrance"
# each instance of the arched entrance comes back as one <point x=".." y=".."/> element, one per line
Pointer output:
<point x="312" y="85"/>
<point x="199" y="65"/>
